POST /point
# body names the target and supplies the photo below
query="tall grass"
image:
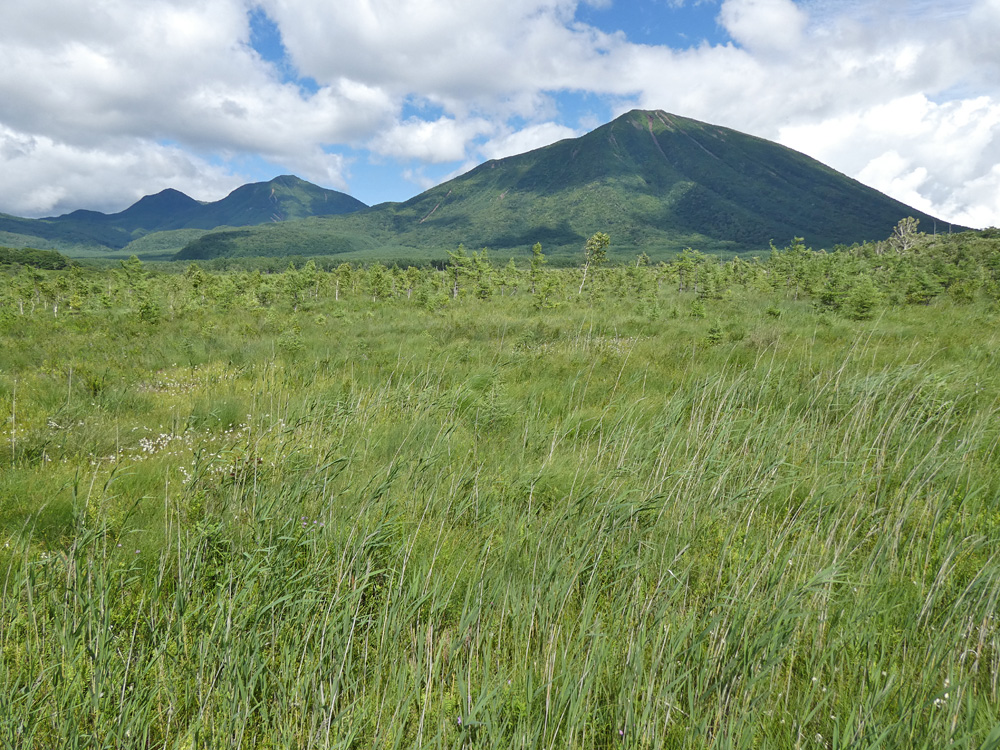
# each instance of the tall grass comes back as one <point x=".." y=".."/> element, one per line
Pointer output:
<point x="494" y="526"/>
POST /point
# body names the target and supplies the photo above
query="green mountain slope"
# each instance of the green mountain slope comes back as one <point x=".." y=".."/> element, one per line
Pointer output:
<point x="654" y="181"/>
<point x="171" y="211"/>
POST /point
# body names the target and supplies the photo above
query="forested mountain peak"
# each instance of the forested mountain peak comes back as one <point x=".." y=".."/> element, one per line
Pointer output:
<point x="654" y="181"/>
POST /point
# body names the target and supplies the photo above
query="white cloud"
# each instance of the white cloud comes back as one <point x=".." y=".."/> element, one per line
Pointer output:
<point x="887" y="11"/>
<point x="977" y="202"/>
<point x="43" y="177"/>
<point x="767" y="26"/>
<point x="892" y="173"/>
<point x="469" y="56"/>
<point x="526" y="139"/>
<point x="434" y="142"/>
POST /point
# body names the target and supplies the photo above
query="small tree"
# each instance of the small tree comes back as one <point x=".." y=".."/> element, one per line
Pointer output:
<point x="686" y="265"/>
<point x="483" y="271"/>
<point x="341" y="276"/>
<point x="508" y="278"/>
<point x="595" y="252"/>
<point x="905" y="235"/>
<point x="863" y="298"/>
<point x="459" y="265"/>
<point x="294" y="283"/>
<point x="310" y="277"/>
<point x="547" y="287"/>
<point x="378" y="281"/>
<point x="134" y="272"/>
<point x="537" y="261"/>
<point x="198" y="280"/>
<point x="412" y="277"/>
<point x="921" y="288"/>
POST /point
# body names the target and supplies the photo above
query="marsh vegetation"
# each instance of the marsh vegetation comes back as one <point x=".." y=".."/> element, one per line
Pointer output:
<point x="691" y="504"/>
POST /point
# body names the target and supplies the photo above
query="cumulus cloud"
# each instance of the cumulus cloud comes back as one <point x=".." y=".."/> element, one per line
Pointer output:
<point x="449" y="50"/>
<point x="43" y="177"/>
<point x="767" y="26"/>
<point x="526" y="139"/>
<point x="430" y="141"/>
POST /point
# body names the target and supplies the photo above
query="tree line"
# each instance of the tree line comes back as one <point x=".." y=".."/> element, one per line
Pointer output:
<point x="907" y="268"/>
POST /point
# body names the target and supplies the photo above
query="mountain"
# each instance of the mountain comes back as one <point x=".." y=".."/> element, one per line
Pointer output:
<point x="280" y="199"/>
<point x="654" y="181"/>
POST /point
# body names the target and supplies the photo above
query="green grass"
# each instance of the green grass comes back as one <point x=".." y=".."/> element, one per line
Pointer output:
<point x="609" y="523"/>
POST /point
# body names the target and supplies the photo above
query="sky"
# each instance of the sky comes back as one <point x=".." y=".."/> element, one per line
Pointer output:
<point x="104" y="101"/>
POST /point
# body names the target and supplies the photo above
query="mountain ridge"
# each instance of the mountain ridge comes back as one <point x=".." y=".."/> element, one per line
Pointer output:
<point x="280" y="199"/>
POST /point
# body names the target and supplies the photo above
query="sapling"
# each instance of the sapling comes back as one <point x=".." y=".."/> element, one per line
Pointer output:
<point x="595" y="253"/>
<point x="537" y="261"/>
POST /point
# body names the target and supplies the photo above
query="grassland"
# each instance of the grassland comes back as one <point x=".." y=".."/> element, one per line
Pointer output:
<point x="326" y="510"/>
